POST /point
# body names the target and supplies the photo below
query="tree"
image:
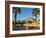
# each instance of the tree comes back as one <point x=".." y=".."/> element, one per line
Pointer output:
<point x="36" y="12"/>
<point x="15" y="11"/>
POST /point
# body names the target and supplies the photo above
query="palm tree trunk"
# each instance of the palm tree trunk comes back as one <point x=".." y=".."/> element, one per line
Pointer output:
<point x="36" y="17"/>
<point x="15" y="20"/>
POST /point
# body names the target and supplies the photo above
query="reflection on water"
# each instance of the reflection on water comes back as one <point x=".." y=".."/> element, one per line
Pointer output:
<point x="19" y="27"/>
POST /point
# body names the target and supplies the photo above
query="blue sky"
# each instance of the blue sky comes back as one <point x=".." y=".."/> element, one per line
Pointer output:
<point x="25" y="13"/>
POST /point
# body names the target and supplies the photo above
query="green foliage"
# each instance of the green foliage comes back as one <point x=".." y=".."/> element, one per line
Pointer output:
<point x="35" y="12"/>
<point x="17" y="9"/>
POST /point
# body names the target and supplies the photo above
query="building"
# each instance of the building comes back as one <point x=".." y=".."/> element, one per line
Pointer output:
<point x="30" y="22"/>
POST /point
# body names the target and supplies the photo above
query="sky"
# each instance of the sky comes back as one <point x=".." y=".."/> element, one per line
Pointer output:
<point x="25" y="13"/>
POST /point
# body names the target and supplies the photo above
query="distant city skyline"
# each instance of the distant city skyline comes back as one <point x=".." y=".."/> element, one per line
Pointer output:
<point x="26" y="13"/>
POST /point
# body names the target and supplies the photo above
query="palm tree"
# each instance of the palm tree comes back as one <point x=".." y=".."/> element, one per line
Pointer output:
<point x="35" y="12"/>
<point x="15" y="11"/>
